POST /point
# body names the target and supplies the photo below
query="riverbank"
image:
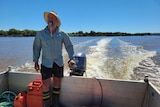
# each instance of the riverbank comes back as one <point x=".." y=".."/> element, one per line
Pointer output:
<point x="30" y="33"/>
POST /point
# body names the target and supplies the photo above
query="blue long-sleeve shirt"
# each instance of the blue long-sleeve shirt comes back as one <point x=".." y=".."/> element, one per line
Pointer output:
<point x="51" y="47"/>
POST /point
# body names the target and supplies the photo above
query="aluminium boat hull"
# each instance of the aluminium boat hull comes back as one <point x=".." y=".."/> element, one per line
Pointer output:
<point x="90" y="92"/>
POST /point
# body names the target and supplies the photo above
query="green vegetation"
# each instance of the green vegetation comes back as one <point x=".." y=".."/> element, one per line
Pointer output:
<point x="19" y="33"/>
<point x="93" y="33"/>
<point x="27" y="33"/>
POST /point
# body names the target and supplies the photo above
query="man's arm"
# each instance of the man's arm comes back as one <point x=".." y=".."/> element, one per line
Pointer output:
<point x="36" y="51"/>
<point x="69" y="46"/>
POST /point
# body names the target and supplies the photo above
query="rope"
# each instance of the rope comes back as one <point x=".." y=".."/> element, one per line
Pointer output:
<point x="7" y="99"/>
<point x="101" y="91"/>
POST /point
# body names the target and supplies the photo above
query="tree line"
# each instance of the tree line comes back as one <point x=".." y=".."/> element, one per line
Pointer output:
<point x="93" y="33"/>
<point x="27" y="33"/>
<point x="15" y="32"/>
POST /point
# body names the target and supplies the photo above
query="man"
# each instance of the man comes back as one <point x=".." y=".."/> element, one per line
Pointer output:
<point x="49" y="43"/>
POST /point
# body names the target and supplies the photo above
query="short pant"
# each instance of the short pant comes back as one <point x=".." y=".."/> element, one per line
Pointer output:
<point x="49" y="72"/>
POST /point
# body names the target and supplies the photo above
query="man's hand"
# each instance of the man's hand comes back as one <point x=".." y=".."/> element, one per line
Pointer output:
<point x="36" y="66"/>
<point x="71" y="64"/>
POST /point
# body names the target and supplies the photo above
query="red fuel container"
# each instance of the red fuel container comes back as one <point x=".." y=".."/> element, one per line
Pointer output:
<point x="20" y="100"/>
<point x="34" y="94"/>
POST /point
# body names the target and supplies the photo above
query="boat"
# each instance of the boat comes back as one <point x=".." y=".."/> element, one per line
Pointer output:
<point x="78" y="91"/>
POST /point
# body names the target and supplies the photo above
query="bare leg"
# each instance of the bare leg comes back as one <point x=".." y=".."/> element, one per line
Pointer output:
<point x="56" y="91"/>
<point x="57" y="82"/>
<point x="46" y="84"/>
<point x="46" y="92"/>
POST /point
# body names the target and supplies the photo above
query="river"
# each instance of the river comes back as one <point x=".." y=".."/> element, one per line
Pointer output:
<point x="122" y="57"/>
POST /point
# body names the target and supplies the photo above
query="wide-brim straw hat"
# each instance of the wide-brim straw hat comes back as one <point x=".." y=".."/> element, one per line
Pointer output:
<point x="55" y="14"/>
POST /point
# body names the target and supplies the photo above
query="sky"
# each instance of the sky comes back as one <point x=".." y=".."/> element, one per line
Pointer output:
<point x="130" y="16"/>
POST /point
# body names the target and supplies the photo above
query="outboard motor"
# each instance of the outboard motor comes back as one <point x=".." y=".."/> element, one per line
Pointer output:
<point x="80" y="65"/>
